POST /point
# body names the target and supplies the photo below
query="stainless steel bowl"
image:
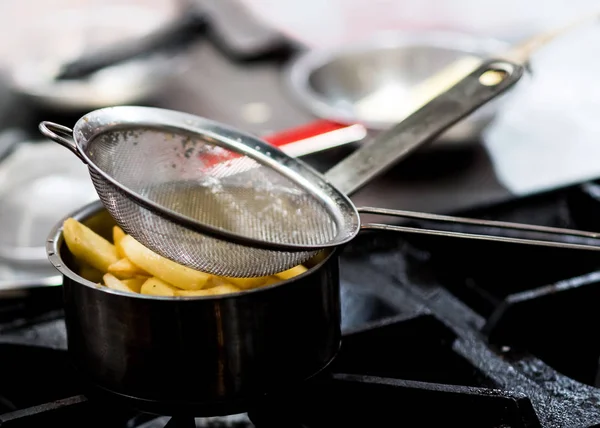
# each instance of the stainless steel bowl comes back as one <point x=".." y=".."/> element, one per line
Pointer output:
<point x="39" y="183"/>
<point x="332" y="83"/>
<point x="40" y="46"/>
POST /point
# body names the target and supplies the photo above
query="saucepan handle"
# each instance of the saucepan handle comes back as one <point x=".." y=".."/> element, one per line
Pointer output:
<point x="62" y="135"/>
<point x="587" y="237"/>
<point x="375" y="157"/>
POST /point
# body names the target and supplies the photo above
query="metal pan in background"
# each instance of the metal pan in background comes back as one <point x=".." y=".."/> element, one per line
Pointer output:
<point x="379" y="81"/>
<point x="38" y="184"/>
<point x="49" y="40"/>
<point x="88" y="57"/>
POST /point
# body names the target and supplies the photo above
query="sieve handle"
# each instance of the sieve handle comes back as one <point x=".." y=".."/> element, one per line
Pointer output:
<point x="62" y="135"/>
<point x="590" y="239"/>
<point x="375" y="157"/>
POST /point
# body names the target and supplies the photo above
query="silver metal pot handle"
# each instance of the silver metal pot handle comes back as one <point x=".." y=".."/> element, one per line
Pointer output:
<point x="57" y="133"/>
<point x="484" y="223"/>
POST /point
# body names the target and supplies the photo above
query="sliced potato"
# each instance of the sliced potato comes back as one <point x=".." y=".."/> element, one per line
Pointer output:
<point x="290" y="273"/>
<point x="215" y="281"/>
<point x="155" y="287"/>
<point x="90" y="273"/>
<point x="118" y="234"/>
<point x="162" y="268"/>
<point x="213" y="291"/>
<point x="88" y="246"/>
<point x="135" y="283"/>
<point x="222" y="289"/>
<point x="247" y="283"/>
<point x="271" y="280"/>
<point x="113" y="282"/>
<point x="124" y="269"/>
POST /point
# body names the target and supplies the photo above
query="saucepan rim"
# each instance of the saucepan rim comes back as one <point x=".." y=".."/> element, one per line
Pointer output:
<point x="55" y="242"/>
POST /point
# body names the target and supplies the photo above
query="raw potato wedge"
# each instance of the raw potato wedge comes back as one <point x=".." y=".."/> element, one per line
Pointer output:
<point x="88" y="246"/>
<point x="290" y="273"/>
<point x="219" y="289"/>
<point x="215" y="281"/>
<point x="162" y="268"/>
<point x="124" y="269"/>
<point x="118" y="234"/>
<point x="135" y="283"/>
<point x="156" y="287"/>
<point x="112" y="282"/>
<point x="247" y="283"/>
<point x="90" y="273"/>
<point x="271" y="280"/>
<point x="129" y="266"/>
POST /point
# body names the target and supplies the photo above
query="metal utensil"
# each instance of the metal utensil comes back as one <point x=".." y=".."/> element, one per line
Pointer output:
<point x="379" y="81"/>
<point x="176" y="35"/>
<point x="39" y="182"/>
<point x="62" y="34"/>
<point x="169" y="180"/>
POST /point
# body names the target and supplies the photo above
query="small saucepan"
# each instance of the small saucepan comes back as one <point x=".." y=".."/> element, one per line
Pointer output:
<point x="214" y="355"/>
<point x="199" y="356"/>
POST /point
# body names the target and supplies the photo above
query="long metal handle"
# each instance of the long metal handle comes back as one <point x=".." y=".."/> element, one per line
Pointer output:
<point x="373" y="158"/>
<point x="484" y="223"/>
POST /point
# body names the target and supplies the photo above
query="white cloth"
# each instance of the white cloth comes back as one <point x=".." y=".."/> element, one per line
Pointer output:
<point x="548" y="133"/>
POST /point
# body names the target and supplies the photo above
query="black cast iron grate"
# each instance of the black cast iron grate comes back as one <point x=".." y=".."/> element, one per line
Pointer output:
<point x="438" y="333"/>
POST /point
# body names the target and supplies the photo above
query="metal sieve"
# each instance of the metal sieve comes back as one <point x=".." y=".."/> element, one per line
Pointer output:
<point x="215" y="199"/>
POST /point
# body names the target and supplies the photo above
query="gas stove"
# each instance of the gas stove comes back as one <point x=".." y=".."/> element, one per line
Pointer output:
<point x="438" y="331"/>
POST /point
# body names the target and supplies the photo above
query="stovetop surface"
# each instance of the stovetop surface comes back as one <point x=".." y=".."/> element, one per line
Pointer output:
<point x="438" y="331"/>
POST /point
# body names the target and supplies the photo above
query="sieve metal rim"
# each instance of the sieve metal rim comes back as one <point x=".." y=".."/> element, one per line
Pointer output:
<point x="99" y="121"/>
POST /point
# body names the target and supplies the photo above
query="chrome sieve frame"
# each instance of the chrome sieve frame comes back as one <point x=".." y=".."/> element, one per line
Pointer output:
<point x="109" y="119"/>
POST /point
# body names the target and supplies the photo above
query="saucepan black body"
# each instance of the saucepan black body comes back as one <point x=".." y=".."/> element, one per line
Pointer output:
<point x="200" y="355"/>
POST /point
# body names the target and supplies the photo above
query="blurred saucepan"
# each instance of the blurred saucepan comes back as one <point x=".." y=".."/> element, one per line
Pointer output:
<point x="41" y="45"/>
<point x="381" y="80"/>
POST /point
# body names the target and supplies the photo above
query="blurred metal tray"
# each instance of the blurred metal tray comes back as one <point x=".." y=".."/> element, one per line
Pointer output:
<point x="39" y="184"/>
